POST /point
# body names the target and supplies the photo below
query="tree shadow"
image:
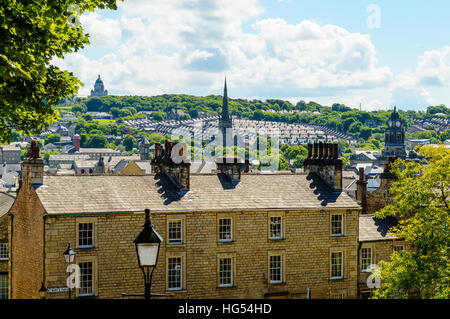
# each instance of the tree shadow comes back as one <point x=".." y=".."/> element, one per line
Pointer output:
<point x="384" y="225"/>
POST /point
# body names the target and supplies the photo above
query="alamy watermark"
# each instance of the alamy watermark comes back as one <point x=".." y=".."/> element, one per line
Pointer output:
<point x="374" y="18"/>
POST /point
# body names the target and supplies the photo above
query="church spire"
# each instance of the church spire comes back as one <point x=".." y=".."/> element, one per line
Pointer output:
<point x="225" y="112"/>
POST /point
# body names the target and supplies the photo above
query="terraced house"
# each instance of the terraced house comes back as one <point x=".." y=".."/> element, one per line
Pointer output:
<point x="230" y="234"/>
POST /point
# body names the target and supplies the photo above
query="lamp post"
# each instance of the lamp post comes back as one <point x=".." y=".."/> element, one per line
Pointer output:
<point x="69" y="256"/>
<point x="43" y="291"/>
<point x="147" y="249"/>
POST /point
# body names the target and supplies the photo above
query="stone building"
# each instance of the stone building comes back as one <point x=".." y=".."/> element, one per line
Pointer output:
<point x="395" y="137"/>
<point x="6" y="200"/>
<point x="99" y="88"/>
<point x="375" y="244"/>
<point x="226" y="235"/>
<point x="9" y="154"/>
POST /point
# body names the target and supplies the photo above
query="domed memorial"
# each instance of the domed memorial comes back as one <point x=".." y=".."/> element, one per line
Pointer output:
<point x="99" y="88"/>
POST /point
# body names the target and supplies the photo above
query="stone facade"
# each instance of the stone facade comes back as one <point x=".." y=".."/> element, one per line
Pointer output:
<point x="305" y="206"/>
<point x="4" y="239"/>
<point x="380" y="251"/>
<point x="306" y="253"/>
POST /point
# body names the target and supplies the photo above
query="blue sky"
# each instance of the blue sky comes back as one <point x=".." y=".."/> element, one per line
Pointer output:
<point x="324" y="51"/>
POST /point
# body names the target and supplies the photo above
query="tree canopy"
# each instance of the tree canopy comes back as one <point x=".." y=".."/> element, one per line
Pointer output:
<point x="32" y="34"/>
<point x="421" y="203"/>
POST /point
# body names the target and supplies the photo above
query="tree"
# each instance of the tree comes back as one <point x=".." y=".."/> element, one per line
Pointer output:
<point x="32" y="34"/>
<point x="129" y="142"/>
<point x="421" y="203"/>
<point x="95" y="141"/>
<point x="52" y="138"/>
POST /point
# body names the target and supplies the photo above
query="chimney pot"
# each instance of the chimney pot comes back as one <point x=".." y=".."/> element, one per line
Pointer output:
<point x="310" y="150"/>
<point x="316" y="153"/>
<point x="361" y="173"/>
<point x="320" y="150"/>
<point x="326" y="149"/>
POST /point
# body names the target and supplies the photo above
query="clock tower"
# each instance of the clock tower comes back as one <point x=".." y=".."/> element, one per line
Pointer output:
<point x="395" y="137"/>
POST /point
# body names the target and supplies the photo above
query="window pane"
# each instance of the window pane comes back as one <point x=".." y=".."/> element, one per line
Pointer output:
<point x="336" y="265"/>
<point x="336" y="225"/>
<point x="86" y="279"/>
<point x="366" y="258"/>
<point x="86" y="235"/>
<point x="275" y="227"/>
<point x="225" y="230"/>
<point x="276" y="275"/>
<point x="3" y="286"/>
<point x="226" y="272"/>
<point x="175" y="273"/>
<point x="175" y="231"/>
<point x="398" y="248"/>
<point x="3" y="251"/>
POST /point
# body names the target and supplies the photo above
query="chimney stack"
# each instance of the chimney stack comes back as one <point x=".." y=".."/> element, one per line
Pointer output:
<point x="247" y="166"/>
<point x="32" y="167"/>
<point x="172" y="162"/>
<point x="76" y="142"/>
<point x="325" y="163"/>
<point x="231" y="167"/>
<point x="361" y="191"/>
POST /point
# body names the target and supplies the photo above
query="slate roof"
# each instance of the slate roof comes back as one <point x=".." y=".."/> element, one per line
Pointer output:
<point x="374" y="229"/>
<point x="208" y="192"/>
<point x="6" y="201"/>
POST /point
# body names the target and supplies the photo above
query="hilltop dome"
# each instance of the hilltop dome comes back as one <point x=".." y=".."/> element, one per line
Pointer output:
<point x="99" y="88"/>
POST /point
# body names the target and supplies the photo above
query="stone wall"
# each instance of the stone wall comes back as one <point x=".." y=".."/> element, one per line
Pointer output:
<point x="27" y="244"/>
<point x="306" y="249"/>
<point x="380" y="197"/>
<point x="381" y="251"/>
<point x="4" y="238"/>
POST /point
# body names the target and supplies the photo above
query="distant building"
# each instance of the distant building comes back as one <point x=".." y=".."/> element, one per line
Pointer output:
<point x="395" y="137"/>
<point x="411" y="143"/>
<point x="99" y="88"/>
<point x="9" y="154"/>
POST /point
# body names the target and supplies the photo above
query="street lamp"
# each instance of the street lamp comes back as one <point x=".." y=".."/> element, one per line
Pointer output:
<point x="69" y="256"/>
<point x="147" y="249"/>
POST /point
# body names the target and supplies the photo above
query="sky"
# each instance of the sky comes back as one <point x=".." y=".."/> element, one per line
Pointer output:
<point x="376" y="54"/>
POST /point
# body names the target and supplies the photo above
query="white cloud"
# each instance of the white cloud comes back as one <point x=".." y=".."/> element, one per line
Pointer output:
<point x="411" y="88"/>
<point x="167" y="46"/>
<point x="103" y="32"/>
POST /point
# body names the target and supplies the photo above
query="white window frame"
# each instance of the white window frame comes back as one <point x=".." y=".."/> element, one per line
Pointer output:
<point x="225" y="240"/>
<point x="180" y="287"/>
<point x="366" y="260"/>
<point x="341" y="234"/>
<point x="280" y="281"/>
<point x="230" y="270"/>
<point x="4" y="251"/>
<point x="175" y="241"/>
<point x="271" y="237"/>
<point x="80" y="238"/>
<point x="341" y="276"/>
<point x="92" y="286"/>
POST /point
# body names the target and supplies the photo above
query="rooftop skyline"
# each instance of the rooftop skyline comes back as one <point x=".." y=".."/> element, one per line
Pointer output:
<point x="379" y="55"/>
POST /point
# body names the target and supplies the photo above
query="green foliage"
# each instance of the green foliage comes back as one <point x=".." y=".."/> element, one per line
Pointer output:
<point x="129" y="142"/>
<point x="52" y="138"/>
<point x="46" y="155"/>
<point x="445" y="135"/>
<point x="32" y="34"/>
<point x="421" y="203"/>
